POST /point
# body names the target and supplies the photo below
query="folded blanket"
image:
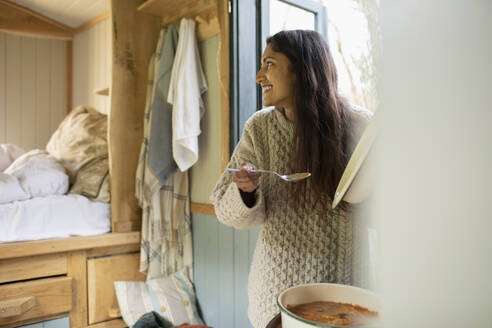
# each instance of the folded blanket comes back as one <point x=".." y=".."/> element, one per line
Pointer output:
<point x="8" y="154"/>
<point x="10" y="189"/>
<point x="34" y="174"/>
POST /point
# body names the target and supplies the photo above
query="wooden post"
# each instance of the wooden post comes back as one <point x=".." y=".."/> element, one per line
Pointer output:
<point x="134" y="36"/>
<point x="223" y="13"/>
<point x="77" y="269"/>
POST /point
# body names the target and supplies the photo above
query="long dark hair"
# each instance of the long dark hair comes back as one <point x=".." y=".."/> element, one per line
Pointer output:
<point x="322" y="123"/>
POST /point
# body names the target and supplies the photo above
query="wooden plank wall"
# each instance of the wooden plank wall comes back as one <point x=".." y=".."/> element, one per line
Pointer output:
<point x="222" y="257"/>
<point x="33" y="93"/>
<point x="92" y="66"/>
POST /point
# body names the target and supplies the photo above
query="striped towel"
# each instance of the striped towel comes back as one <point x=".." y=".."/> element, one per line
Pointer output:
<point x="162" y="194"/>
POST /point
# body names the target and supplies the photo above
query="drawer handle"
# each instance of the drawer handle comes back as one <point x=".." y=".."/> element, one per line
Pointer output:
<point x="18" y="306"/>
<point x="114" y="312"/>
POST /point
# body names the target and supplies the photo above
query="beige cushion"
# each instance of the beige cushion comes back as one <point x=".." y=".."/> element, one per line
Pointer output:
<point x="80" y="144"/>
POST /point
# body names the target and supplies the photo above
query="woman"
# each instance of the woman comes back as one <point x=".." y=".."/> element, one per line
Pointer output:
<point x="309" y="129"/>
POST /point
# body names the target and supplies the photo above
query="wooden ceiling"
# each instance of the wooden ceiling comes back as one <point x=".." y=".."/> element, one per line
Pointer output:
<point x="72" y="13"/>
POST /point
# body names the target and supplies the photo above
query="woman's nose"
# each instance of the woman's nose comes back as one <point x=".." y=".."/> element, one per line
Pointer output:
<point x="259" y="76"/>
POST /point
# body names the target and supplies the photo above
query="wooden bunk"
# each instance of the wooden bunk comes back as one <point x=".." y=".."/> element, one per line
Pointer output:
<point x="48" y="279"/>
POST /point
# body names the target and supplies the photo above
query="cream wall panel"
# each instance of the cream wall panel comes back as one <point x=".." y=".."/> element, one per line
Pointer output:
<point x="58" y="83"/>
<point x="32" y="89"/>
<point x="43" y="64"/>
<point x="206" y="171"/>
<point x="28" y="106"/>
<point x="13" y="90"/>
<point x="91" y="69"/>
<point x="107" y="58"/>
<point x="80" y="67"/>
<point x="3" y="83"/>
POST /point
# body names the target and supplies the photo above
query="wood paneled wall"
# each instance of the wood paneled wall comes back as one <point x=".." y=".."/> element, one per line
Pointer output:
<point x="206" y="172"/>
<point x="92" y="66"/>
<point x="222" y="258"/>
<point x="33" y="96"/>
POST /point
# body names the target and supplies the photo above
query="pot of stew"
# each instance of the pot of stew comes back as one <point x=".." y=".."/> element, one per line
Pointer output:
<point x="328" y="305"/>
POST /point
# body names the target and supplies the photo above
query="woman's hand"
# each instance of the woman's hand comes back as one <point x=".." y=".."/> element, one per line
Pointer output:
<point x="246" y="181"/>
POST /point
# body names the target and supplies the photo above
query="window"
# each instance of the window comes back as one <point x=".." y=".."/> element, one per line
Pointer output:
<point x="289" y="17"/>
<point x="348" y="25"/>
<point x="252" y="21"/>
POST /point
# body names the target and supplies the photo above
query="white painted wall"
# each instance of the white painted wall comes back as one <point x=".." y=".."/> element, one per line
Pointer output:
<point x="33" y="91"/>
<point x="433" y="201"/>
<point x="92" y="66"/>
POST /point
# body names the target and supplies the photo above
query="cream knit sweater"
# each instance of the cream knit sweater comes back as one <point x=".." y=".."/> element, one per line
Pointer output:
<point x="292" y="248"/>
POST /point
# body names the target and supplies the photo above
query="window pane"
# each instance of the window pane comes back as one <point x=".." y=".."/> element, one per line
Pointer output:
<point x="353" y="49"/>
<point x="287" y="17"/>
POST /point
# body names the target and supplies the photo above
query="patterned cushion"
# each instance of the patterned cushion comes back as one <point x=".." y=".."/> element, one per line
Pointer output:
<point x="173" y="297"/>
<point x="80" y="144"/>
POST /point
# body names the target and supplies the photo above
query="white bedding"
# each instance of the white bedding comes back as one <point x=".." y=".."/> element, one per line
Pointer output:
<point x="51" y="217"/>
<point x="39" y="174"/>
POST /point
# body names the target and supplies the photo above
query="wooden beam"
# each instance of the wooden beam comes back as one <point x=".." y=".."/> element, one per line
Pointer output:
<point x="69" y="75"/>
<point x="102" y="91"/>
<point x="15" y="19"/>
<point x="118" y="323"/>
<point x="50" y="246"/>
<point x="92" y="22"/>
<point x="134" y="37"/>
<point x="207" y="209"/>
<point x="77" y="270"/>
<point x="172" y="10"/>
<point x="223" y="13"/>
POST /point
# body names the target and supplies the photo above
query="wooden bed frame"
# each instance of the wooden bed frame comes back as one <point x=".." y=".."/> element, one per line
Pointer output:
<point x="54" y="278"/>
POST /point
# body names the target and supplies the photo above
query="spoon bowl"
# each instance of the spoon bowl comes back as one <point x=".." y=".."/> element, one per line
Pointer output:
<point x="287" y="177"/>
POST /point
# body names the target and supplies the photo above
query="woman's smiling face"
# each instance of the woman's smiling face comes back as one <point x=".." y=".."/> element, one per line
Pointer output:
<point x="276" y="79"/>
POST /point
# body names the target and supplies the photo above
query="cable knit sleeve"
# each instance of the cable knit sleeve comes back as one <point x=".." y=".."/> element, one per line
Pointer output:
<point x="229" y="205"/>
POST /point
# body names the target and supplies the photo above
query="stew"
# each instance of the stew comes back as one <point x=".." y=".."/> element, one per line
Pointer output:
<point x="334" y="314"/>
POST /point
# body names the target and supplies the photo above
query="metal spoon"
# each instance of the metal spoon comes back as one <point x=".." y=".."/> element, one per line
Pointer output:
<point x="287" y="177"/>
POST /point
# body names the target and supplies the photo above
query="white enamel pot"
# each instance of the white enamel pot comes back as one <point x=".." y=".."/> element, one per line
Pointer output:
<point x="322" y="292"/>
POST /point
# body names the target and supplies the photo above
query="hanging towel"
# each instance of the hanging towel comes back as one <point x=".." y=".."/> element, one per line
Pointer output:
<point x="156" y="163"/>
<point x="166" y="233"/>
<point x="187" y="85"/>
<point x="146" y="180"/>
<point x="161" y="161"/>
<point x="174" y="250"/>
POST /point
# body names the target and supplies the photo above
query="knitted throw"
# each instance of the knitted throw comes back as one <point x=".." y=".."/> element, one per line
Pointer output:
<point x="293" y="247"/>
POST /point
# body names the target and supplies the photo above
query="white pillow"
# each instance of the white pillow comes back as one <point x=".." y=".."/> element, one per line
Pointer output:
<point x="8" y="154"/>
<point x="10" y="189"/>
<point x="173" y="297"/>
<point x="39" y="174"/>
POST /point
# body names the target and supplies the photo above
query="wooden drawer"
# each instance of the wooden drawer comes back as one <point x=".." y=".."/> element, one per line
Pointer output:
<point x="101" y="274"/>
<point x="25" y="268"/>
<point x="34" y="299"/>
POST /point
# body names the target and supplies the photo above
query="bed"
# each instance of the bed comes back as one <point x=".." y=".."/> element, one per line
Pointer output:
<point x="62" y="191"/>
<point x="73" y="276"/>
